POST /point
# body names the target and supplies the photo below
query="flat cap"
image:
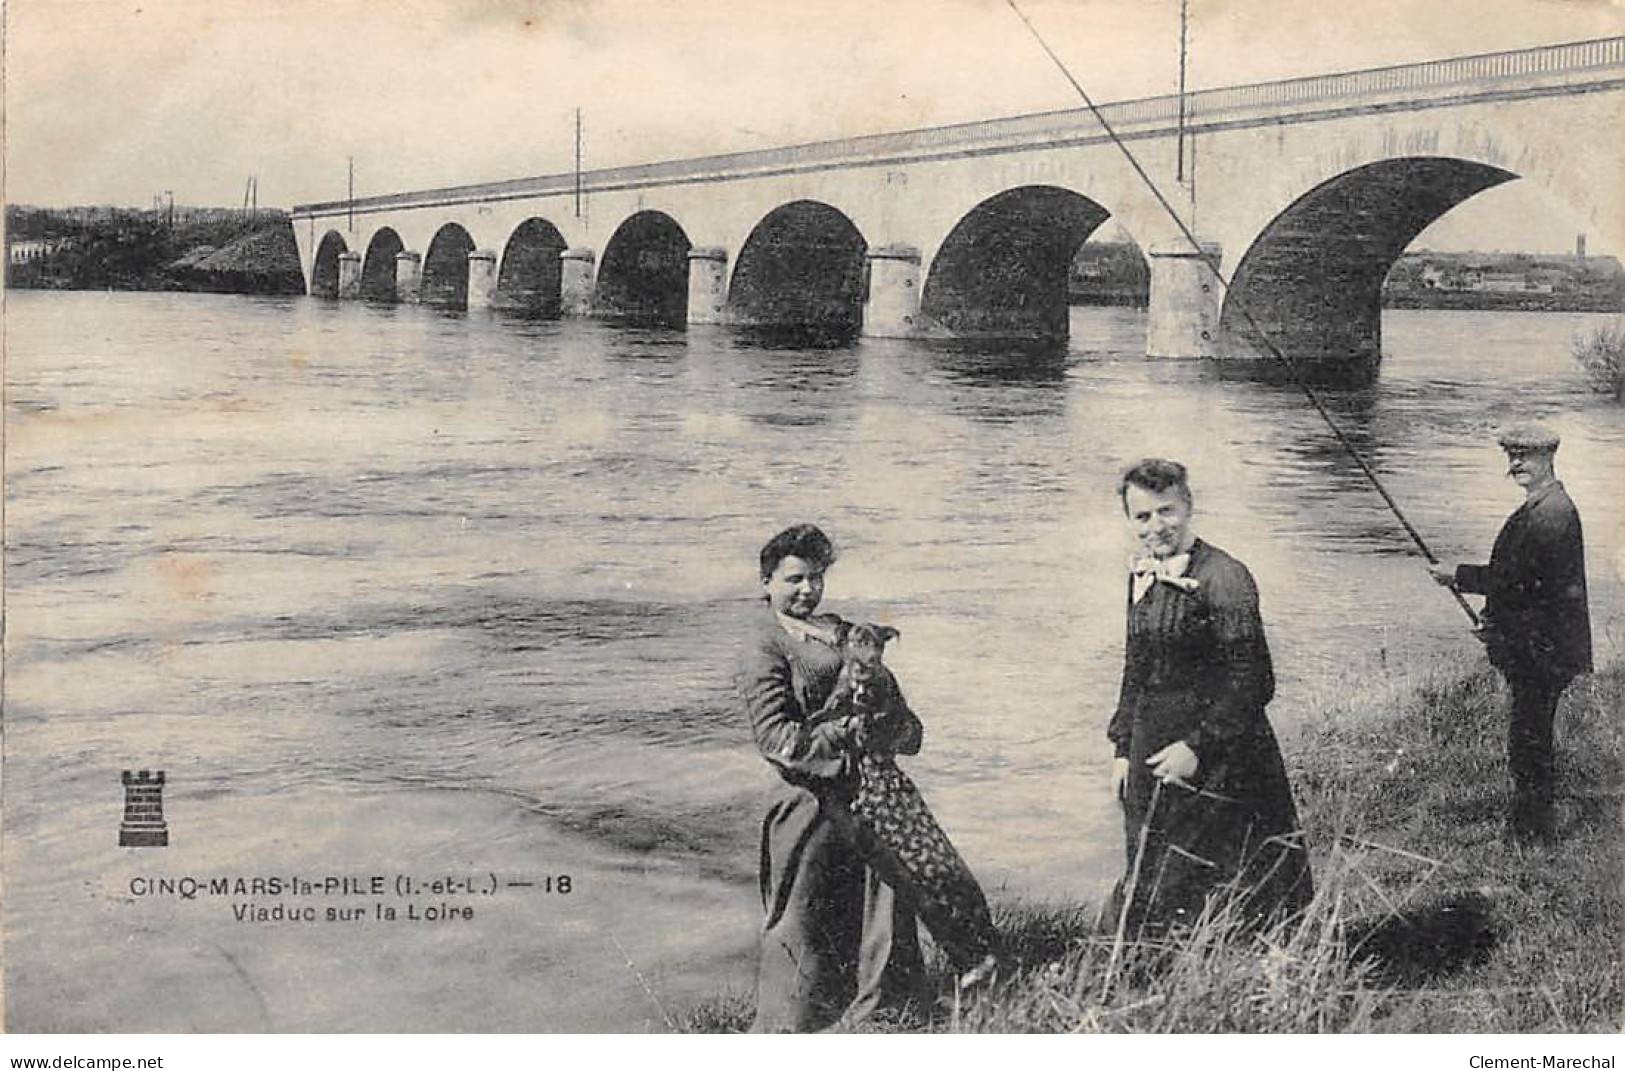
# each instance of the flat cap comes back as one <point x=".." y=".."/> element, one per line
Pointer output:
<point x="1528" y="436"/>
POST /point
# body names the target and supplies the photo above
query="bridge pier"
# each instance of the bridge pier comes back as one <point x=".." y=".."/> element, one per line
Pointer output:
<point x="408" y="277"/>
<point x="349" y="276"/>
<point x="707" y="285"/>
<point x="893" y="304"/>
<point x="575" y="282"/>
<point x="482" y="278"/>
<point x="1183" y="317"/>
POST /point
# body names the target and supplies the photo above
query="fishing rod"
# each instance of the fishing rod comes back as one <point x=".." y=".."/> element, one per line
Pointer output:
<point x="1246" y="314"/>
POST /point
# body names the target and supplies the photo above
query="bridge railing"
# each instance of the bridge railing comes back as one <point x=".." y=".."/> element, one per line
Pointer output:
<point x="1518" y="63"/>
<point x="1573" y="57"/>
<point x="1206" y="104"/>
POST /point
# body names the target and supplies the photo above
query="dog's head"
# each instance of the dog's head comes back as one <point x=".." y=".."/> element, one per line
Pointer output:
<point x="863" y="646"/>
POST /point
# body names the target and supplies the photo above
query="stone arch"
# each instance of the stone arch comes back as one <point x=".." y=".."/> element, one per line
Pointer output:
<point x="1312" y="279"/>
<point x="378" y="265"/>
<point x="528" y="279"/>
<point x="324" y="267"/>
<point x="1002" y="270"/>
<point x="801" y="267"/>
<point x="445" y="267"/>
<point x="644" y="273"/>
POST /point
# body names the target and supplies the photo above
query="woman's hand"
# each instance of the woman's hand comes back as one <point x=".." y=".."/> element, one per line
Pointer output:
<point x="1176" y="763"/>
<point x="858" y="736"/>
<point x="1119" y="777"/>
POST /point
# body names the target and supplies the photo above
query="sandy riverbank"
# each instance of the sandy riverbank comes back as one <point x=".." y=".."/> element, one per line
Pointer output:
<point x="635" y="936"/>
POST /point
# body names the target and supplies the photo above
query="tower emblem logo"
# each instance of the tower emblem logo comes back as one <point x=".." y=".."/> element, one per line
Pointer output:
<point x="143" y="825"/>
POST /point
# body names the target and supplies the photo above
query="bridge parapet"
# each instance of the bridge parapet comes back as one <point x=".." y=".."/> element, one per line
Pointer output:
<point x="1548" y="64"/>
<point x="1487" y="75"/>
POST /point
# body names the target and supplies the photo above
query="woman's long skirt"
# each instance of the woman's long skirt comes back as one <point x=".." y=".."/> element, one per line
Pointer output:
<point x="1234" y="832"/>
<point x="837" y="939"/>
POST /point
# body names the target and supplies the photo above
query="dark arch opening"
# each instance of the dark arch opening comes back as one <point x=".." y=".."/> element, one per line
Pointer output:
<point x="378" y="266"/>
<point x="1312" y="280"/>
<point x="801" y="269"/>
<point x="324" y="270"/>
<point x="1002" y="271"/>
<point x="529" y="278"/>
<point x="445" y="268"/>
<point x="644" y="274"/>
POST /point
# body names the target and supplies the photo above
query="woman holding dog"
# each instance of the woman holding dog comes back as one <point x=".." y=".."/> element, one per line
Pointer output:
<point x="1206" y="804"/>
<point x="837" y="939"/>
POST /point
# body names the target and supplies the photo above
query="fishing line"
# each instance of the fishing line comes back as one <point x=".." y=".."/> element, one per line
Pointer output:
<point x="1246" y="314"/>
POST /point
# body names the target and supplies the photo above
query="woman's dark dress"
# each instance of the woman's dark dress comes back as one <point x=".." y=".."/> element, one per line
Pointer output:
<point x="836" y="938"/>
<point x="1197" y="669"/>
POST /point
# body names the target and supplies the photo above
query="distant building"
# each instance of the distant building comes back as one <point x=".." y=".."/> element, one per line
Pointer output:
<point x="1481" y="279"/>
<point x="27" y="250"/>
<point x="1501" y="283"/>
<point x="1531" y="281"/>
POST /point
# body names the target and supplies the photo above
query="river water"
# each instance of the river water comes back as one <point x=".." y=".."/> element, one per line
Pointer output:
<point x="386" y="590"/>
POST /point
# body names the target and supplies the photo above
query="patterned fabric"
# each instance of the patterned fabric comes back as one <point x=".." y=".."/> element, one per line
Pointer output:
<point x="894" y="829"/>
<point x="902" y="840"/>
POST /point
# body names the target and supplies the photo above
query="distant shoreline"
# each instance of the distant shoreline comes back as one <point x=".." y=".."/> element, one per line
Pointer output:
<point x="213" y="250"/>
<point x="1115" y="274"/>
<point x="1428" y="302"/>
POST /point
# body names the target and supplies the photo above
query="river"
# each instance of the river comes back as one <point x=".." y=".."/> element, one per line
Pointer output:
<point x="389" y="591"/>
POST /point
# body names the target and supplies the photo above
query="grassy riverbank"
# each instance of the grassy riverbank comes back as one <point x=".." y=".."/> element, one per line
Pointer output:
<point x="216" y="250"/>
<point x="1422" y="921"/>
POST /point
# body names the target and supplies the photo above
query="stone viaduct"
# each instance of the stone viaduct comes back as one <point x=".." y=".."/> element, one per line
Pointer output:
<point x="1302" y="192"/>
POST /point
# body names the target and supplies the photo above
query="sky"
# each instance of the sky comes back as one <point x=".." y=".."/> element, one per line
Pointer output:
<point x="112" y="102"/>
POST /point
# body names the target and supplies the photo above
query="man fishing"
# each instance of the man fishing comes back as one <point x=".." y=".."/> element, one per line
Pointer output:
<point x="1536" y="623"/>
<point x="1537" y="626"/>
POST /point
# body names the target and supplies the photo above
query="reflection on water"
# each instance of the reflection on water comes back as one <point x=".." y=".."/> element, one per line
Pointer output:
<point x="385" y="546"/>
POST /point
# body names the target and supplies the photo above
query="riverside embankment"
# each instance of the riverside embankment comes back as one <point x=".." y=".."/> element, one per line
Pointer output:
<point x="1423" y="921"/>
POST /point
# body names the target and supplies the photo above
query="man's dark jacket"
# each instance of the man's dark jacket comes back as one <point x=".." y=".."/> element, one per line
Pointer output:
<point x="1537" y="622"/>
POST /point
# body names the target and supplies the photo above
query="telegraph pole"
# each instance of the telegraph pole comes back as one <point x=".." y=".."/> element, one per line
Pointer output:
<point x="350" y="200"/>
<point x="1179" y="143"/>
<point x="578" y="163"/>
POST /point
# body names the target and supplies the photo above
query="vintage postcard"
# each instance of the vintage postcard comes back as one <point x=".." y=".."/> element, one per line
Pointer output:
<point x="982" y="515"/>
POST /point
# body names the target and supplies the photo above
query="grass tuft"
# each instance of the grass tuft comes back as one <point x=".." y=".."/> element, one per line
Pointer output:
<point x="1601" y="354"/>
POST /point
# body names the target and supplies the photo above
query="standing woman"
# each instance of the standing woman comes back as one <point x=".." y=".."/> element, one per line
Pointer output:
<point x="1205" y="797"/>
<point x="836" y="939"/>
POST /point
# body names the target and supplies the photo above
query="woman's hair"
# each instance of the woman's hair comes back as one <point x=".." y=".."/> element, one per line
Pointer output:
<point x="1156" y="474"/>
<point x="805" y="541"/>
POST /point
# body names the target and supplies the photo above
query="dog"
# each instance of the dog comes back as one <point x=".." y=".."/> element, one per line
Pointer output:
<point x="863" y="691"/>
<point x="891" y="823"/>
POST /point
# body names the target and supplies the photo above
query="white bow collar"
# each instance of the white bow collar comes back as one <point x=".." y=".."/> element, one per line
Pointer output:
<point x="1148" y="570"/>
